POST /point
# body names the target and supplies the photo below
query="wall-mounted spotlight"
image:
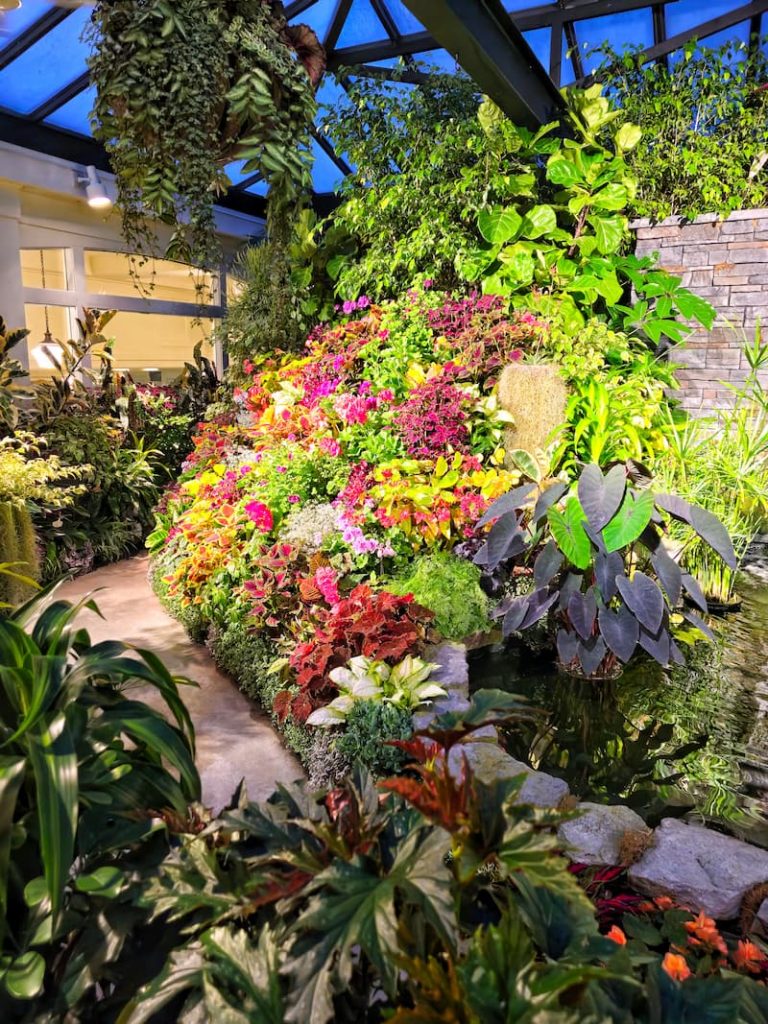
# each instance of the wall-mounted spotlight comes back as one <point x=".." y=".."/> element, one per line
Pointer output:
<point x="95" y="192"/>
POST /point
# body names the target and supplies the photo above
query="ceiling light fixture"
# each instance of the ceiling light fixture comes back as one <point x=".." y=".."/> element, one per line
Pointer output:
<point x="95" y="192"/>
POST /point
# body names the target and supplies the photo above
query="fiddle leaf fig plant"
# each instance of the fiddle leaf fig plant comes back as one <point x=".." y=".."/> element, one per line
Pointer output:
<point x="601" y="569"/>
<point x="182" y="89"/>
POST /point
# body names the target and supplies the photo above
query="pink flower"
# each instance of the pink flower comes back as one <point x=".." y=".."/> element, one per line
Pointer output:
<point x="363" y="302"/>
<point x="259" y="514"/>
<point x="384" y="334"/>
<point x="293" y="498"/>
<point x="349" y="307"/>
<point x="329" y="446"/>
<point x="428" y="283"/>
<point x="325" y="581"/>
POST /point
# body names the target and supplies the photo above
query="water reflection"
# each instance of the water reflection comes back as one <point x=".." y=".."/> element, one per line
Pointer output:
<point x="688" y="742"/>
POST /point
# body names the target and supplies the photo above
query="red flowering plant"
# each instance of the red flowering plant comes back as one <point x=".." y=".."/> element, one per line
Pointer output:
<point x="689" y="944"/>
<point x="271" y="591"/>
<point x="432" y="421"/>
<point x="376" y="624"/>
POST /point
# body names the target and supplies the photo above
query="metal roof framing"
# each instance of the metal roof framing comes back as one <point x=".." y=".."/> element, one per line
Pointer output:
<point x="486" y="40"/>
<point x="491" y="49"/>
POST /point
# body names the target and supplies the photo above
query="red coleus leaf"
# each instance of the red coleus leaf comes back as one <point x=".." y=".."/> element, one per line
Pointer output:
<point x="302" y="707"/>
<point x="281" y="705"/>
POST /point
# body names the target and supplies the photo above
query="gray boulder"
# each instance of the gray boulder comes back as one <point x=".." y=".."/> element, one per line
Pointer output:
<point x="595" y="837"/>
<point x="701" y="868"/>
<point x="488" y="761"/>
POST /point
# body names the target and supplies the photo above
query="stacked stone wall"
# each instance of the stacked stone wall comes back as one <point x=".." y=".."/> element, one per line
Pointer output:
<point x="726" y="262"/>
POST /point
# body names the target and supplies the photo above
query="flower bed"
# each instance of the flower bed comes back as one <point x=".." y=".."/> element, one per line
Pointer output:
<point x="327" y="520"/>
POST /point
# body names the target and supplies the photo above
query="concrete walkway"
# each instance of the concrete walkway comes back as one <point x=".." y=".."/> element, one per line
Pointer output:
<point x="235" y="739"/>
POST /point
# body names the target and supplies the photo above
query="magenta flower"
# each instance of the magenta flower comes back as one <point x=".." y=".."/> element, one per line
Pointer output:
<point x="349" y="307"/>
<point x="363" y="302"/>
<point x="293" y="498"/>
<point x="325" y="581"/>
<point x="259" y="514"/>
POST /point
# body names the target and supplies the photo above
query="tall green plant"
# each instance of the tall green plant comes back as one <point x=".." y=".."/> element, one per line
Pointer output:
<point x="704" y="121"/>
<point x="10" y="371"/>
<point x="81" y="767"/>
<point x="559" y="242"/>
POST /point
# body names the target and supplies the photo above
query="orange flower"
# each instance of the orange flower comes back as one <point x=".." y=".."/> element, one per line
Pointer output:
<point x="748" y="957"/>
<point x="664" y="902"/>
<point x="617" y="935"/>
<point x="703" y="931"/>
<point x="676" y="966"/>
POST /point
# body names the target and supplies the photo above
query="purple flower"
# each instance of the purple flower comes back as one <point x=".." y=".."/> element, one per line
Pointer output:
<point x="428" y="283"/>
<point x="363" y="302"/>
<point x="281" y="469"/>
<point x="349" y="307"/>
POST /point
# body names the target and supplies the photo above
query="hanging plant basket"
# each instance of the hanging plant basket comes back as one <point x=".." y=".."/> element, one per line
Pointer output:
<point x="183" y="89"/>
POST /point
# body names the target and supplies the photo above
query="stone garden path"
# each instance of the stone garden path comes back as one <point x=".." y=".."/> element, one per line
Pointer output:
<point x="234" y="738"/>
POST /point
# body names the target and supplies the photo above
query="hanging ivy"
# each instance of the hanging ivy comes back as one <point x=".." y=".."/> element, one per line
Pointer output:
<point x="184" y="87"/>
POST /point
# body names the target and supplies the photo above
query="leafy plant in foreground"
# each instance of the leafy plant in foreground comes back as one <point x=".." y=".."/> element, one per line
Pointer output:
<point x="81" y="767"/>
<point x="604" y="574"/>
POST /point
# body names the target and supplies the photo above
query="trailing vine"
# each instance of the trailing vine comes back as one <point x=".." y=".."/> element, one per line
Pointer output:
<point x="185" y="87"/>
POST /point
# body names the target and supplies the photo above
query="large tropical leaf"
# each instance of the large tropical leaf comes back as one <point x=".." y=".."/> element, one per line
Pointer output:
<point x="54" y="763"/>
<point x="354" y="909"/>
<point x="568" y="530"/>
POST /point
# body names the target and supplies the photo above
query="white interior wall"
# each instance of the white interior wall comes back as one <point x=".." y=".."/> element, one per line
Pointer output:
<point x="43" y="206"/>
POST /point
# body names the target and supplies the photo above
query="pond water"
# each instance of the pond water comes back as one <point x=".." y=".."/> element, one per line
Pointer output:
<point x="690" y="742"/>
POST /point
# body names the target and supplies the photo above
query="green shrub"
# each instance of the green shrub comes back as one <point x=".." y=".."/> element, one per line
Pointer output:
<point x="449" y="587"/>
<point x="18" y="550"/>
<point x="704" y="124"/>
<point x="369" y="725"/>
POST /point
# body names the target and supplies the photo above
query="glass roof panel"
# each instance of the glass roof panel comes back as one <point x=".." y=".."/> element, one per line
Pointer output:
<point x="13" y="23"/>
<point x="517" y="5"/>
<point x="438" y="59"/>
<point x="406" y="22"/>
<point x="258" y="188"/>
<point x="74" y="115"/>
<point x="318" y="17"/>
<point x="683" y="15"/>
<point x="235" y="171"/>
<point x="738" y="32"/>
<point x="46" y="67"/>
<point x="362" y="25"/>
<point x="325" y="174"/>
<point x="632" y="28"/>
<point x="539" y="39"/>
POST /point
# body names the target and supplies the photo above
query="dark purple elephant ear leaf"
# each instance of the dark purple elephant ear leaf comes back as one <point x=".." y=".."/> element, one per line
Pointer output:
<point x="670" y="574"/>
<point x="601" y="496"/>
<point x="570" y="585"/>
<point x="514" y="615"/>
<point x="656" y="644"/>
<point x="547" y="499"/>
<point x="620" y="630"/>
<point x="694" y="591"/>
<point x="678" y="508"/>
<point x="591" y="655"/>
<point x="582" y="611"/>
<point x="675" y="654"/>
<point x="567" y="647"/>
<point x="509" y="502"/>
<point x="547" y="564"/>
<point x="712" y="532"/>
<point x="539" y="603"/>
<point x="643" y="597"/>
<point x="699" y="624"/>
<point x="607" y="568"/>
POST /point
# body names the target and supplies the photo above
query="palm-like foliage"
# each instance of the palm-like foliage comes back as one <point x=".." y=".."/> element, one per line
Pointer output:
<point x="81" y="767"/>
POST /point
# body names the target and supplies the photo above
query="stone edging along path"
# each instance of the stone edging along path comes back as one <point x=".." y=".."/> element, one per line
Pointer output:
<point x="697" y="866"/>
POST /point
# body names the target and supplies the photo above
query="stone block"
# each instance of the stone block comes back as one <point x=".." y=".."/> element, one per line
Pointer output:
<point x="699" y="278"/>
<point x="703" y="255"/>
<point x="734" y="228"/>
<point x="744" y="246"/>
<point x="595" y="837"/>
<point x="488" y="762"/>
<point x="759" y="278"/>
<point x="723" y="357"/>
<point x="749" y="298"/>
<point x="700" y="233"/>
<point x="699" y="867"/>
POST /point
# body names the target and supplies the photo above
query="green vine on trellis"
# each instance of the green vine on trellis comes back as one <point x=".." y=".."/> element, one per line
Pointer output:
<point x="183" y="88"/>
